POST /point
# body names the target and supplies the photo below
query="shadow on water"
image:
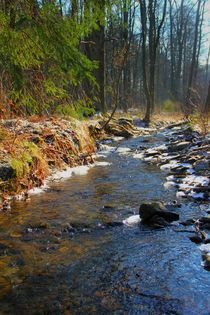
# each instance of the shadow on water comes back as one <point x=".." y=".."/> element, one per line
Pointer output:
<point x="59" y="254"/>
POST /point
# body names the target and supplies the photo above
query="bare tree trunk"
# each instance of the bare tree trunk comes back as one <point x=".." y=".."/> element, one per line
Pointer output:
<point x="207" y="103"/>
<point x="200" y="40"/>
<point x="172" y="52"/>
<point x="154" y="39"/>
<point x="143" y="13"/>
<point x="188" y="102"/>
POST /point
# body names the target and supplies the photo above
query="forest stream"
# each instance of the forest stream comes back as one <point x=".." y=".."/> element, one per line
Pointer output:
<point x="67" y="251"/>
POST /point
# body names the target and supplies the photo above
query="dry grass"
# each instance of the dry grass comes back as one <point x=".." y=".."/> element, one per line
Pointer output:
<point x="58" y="143"/>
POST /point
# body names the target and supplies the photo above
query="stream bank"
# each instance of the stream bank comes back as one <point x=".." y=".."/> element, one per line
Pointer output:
<point x="38" y="150"/>
<point x="34" y="149"/>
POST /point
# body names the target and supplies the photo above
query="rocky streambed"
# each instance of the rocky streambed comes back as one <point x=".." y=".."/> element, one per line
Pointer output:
<point x="184" y="156"/>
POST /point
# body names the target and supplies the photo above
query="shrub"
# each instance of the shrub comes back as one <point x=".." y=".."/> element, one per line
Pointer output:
<point x="169" y="106"/>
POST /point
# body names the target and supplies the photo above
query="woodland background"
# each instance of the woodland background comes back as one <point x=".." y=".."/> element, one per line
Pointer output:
<point x="81" y="56"/>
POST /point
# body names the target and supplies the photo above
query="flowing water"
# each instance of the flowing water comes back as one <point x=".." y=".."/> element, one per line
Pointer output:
<point x="100" y="266"/>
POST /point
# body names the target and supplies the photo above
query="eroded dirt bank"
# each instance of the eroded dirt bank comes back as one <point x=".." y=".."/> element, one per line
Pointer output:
<point x="31" y="150"/>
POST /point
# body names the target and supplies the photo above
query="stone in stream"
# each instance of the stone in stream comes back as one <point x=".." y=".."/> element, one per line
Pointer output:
<point x="205" y="226"/>
<point x="151" y="211"/>
<point x="188" y="222"/>
<point x="132" y="220"/>
<point x="201" y="165"/>
<point x="205" y="252"/>
<point x="205" y="220"/>
<point x="179" y="146"/>
<point x="158" y="222"/>
<point x="107" y="208"/>
<point x="113" y="224"/>
<point x="196" y="239"/>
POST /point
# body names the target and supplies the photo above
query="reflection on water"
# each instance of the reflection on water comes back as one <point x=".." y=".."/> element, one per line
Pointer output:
<point x="60" y="254"/>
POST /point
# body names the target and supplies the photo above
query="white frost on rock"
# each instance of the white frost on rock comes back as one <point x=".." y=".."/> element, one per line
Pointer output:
<point x="138" y="155"/>
<point x="123" y="150"/>
<point x="102" y="163"/>
<point x="106" y="149"/>
<point x="117" y="138"/>
<point x="180" y="194"/>
<point x="205" y="249"/>
<point x="132" y="220"/>
<point x="195" y="195"/>
<point x="150" y="159"/>
<point x="169" y="166"/>
<point x="169" y="184"/>
<point x="38" y="190"/>
<point x="196" y="180"/>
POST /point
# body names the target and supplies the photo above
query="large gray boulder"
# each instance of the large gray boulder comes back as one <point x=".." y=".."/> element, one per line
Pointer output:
<point x="151" y="210"/>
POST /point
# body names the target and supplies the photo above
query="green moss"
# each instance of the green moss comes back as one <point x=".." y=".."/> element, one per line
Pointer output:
<point x="26" y="158"/>
<point x="20" y="167"/>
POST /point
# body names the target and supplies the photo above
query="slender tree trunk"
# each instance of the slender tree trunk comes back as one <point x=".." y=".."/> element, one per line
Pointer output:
<point x="207" y="103"/>
<point x="172" y="52"/>
<point x="188" y="103"/>
<point x="143" y="13"/>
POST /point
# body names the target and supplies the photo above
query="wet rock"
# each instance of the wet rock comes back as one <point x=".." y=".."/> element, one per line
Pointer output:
<point x="179" y="146"/>
<point x="148" y="210"/>
<point x="6" y="171"/>
<point x="139" y="122"/>
<point x="173" y="206"/>
<point x="125" y="121"/>
<point x="120" y="132"/>
<point x="158" y="222"/>
<point x="179" y="124"/>
<point x="205" y="226"/>
<point x="68" y="228"/>
<point x="37" y="227"/>
<point x="205" y="219"/>
<point x="73" y="228"/>
<point x="201" y="166"/>
<point x="205" y="249"/>
<point x="196" y="239"/>
<point x="151" y="153"/>
<point x="188" y="222"/>
<point x="114" y="224"/>
<point x="107" y="208"/>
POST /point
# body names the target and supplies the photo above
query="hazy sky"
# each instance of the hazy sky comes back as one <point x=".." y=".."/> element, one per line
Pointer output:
<point x="206" y="31"/>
